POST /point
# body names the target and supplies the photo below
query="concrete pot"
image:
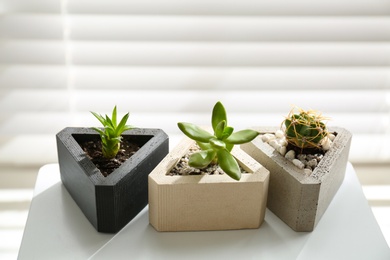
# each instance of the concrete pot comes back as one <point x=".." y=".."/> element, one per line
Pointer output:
<point x="299" y="200"/>
<point x="109" y="203"/>
<point x="207" y="202"/>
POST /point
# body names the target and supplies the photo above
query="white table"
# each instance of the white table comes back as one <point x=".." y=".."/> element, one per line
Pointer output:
<point x="57" y="229"/>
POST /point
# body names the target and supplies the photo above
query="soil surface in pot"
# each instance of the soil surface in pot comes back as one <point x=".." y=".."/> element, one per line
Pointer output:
<point x="298" y="150"/>
<point x="305" y="159"/>
<point x="182" y="167"/>
<point x="312" y="151"/>
<point x="93" y="149"/>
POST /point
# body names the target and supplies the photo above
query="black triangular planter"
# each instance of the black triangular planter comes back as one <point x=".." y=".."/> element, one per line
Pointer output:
<point x="109" y="202"/>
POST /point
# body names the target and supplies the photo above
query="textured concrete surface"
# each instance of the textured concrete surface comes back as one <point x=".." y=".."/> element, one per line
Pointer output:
<point x="109" y="202"/>
<point x="207" y="202"/>
<point x="299" y="200"/>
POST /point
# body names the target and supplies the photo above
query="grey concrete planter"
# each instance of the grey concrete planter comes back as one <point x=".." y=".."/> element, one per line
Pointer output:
<point x="109" y="203"/>
<point x="207" y="202"/>
<point x="299" y="200"/>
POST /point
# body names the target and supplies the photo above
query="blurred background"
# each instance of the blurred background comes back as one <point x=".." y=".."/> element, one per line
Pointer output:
<point x="166" y="61"/>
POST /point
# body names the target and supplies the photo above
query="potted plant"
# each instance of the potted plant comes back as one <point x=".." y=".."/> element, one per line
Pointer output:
<point x="109" y="181"/>
<point x="307" y="163"/>
<point x="200" y="185"/>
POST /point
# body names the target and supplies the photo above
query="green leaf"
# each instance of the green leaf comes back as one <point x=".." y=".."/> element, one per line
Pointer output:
<point x="217" y="144"/>
<point x="114" y="116"/>
<point x="228" y="164"/>
<point x="195" y="132"/>
<point x="242" y="137"/>
<point x="111" y="149"/>
<point x="204" y="146"/>
<point x="229" y="147"/>
<point x="121" y="127"/>
<point x="218" y="115"/>
<point x="227" y="132"/>
<point x="219" y="130"/>
<point x="110" y="132"/>
<point x="201" y="159"/>
<point x="109" y="122"/>
<point x="98" y="130"/>
<point x="111" y="136"/>
<point x="127" y="127"/>
<point x="100" y="118"/>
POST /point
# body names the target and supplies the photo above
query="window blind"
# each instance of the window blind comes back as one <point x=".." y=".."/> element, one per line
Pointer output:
<point x="170" y="60"/>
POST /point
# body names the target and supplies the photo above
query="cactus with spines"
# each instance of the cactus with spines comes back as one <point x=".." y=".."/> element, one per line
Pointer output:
<point x="305" y="129"/>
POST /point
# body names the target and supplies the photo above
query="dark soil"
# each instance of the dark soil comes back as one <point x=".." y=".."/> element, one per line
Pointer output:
<point x="93" y="149"/>
<point x="306" y="150"/>
<point x="182" y="168"/>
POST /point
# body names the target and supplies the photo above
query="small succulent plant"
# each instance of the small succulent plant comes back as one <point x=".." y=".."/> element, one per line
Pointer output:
<point x="305" y="129"/>
<point x="216" y="148"/>
<point x="111" y="134"/>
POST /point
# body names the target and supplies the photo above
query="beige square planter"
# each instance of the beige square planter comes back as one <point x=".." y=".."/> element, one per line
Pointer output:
<point x="207" y="202"/>
<point x="299" y="200"/>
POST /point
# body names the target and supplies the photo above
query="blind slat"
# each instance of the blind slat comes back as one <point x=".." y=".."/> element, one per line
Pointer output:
<point x="195" y="54"/>
<point x="231" y="29"/>
<point x="203" y="7"/>
<point x="231" y="54"/>
<point x="193" y="78"/>
<point x="232" y="7"/>
<point x="184" y="28"/>
<point x="170" y="101"/>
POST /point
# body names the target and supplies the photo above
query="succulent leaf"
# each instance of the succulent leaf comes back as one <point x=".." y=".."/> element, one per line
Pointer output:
<point x="122" y="124"/>
<point x="227" y="132"/>
<point x="109" y="122"/>
<point x="201" y="159"/>
<point x="219" y="130"/>
<point x="228" y="164"/>
<point x="99" y="117"/>
<point x="98" y="130"/>
<point x="114" y="114"/>
<point x="229" y="147"/>
<point x="218" y="115"/>
<point x="111" y="135"/>
<point x="242" y="136"/>
<point x="217" y="144"/>
<point x="195" y="132"/>
<point x="217" y="147"/>
<point x="204" y="146"/>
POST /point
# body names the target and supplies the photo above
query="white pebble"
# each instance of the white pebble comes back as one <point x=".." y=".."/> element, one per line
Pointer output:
<point x="279" y="134"/>
<point x="307" y="171"/>
<point x="298" y="163"/>
<point x="310" y="157"/>
<point x="290" y="155"/>
<point x="268" y="137"/>
<point x="301" y="157"/>
<point x="318" y="157"/>
<point x="312" y="163"/>
<point x="282" y="150"/>
<point x="283" y="142"/>
<point x="274" y="144"/>
<point x="331" y="137"/>
<point x="326" y="143"/>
